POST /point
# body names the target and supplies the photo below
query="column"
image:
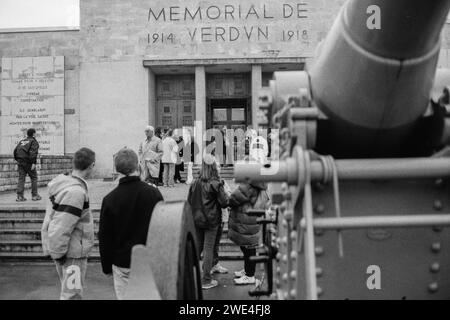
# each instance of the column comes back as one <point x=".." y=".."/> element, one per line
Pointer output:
<point x="200" y="109"/>
<point x="256" y="86"/>
<point x="152" y="98"/>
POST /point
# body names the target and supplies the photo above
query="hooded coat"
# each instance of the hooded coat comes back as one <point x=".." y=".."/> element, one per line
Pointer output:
<point x="243" y="229"/>
<point x="207" y="198"/>
<point x="68" y="228"/>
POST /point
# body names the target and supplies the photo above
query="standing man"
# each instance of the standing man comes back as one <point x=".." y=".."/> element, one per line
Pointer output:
<point x="124" y="219"/>
<point x="150" y="153"/>
<point x="25" y="154"/>
<point x="68" y="229"/>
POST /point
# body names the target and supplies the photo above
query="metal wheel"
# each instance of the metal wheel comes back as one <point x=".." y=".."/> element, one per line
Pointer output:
<point x="172" y="246"/>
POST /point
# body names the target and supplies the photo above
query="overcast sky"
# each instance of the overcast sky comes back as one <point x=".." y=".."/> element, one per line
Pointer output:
<point x="39" y="14"/>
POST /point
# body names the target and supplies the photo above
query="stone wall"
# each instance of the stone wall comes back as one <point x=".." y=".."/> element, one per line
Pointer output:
<point x="48" y="167"/>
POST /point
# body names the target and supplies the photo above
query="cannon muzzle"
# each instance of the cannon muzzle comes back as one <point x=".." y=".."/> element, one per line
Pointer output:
<point x="373" y="79"/>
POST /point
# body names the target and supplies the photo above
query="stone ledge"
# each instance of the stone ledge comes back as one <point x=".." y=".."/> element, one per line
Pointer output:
<point x="48" y="167"/>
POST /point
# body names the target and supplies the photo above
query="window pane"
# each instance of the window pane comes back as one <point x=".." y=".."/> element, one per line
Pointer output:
<point x="238" y="114"/>
<point x="219" y="114"/>
<point x="187" y="108"/>
<point x="39" y="15"/>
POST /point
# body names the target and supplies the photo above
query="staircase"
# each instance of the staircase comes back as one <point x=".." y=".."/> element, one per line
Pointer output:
<point x="20" y="236"/>
<point x="226" y="173"/>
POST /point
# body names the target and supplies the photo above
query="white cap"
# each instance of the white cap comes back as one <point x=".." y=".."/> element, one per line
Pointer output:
<point x="149" y="128"/>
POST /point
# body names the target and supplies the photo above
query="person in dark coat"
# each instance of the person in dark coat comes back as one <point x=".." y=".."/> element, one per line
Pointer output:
<point x="179" y="166"/>
<point x="25" y="154"/>
<point x="243" y="228"/>
<point x="207" y="197"/>
<point x="124" y="219"/>
<point x="158" y="133"/>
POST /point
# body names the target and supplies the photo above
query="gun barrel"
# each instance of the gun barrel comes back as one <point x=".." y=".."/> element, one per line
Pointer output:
<point x="375" y="71"/>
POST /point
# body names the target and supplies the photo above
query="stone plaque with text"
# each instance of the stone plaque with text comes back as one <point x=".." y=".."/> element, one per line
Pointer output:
<point x="32" y="96"/>
<point x="230" y="29"/>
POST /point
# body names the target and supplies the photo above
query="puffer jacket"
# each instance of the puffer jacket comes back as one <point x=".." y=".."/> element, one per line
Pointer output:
<point x="207" y="198"/>
<point x="26" y="151"/>
<point x="243" y="229"/>
<point x="68" y="228"/>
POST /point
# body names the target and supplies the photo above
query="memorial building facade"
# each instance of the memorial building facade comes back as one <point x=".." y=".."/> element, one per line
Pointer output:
<point x="165" y="63"/>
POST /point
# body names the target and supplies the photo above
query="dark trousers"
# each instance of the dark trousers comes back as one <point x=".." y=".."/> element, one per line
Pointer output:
<point x="177" y="175"/>
<point x="217" y="244"/>
<point x="24" y="170"/>
<point x="206" y="239"/>
<point x="161" y="170"/>
<point x="249" y="266"/>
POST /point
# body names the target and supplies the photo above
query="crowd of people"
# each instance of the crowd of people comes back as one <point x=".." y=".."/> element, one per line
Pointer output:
<point x="68" y="227"/>
<point x="162" y="156"/>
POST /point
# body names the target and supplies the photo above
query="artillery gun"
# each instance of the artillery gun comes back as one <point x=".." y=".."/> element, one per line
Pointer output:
<point x="361" y="186"/>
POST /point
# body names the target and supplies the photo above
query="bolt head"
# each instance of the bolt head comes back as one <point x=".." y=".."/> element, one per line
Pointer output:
<point x="285" y="277"/>
<point x="436" y="247"/>
<point x="438" y="205"/>
<point x="293" y="293"/>
<point x="293" y="274"/>
<point x="319" y="208"/>
<point x="318" y="232"/>
<point x="294" y="235"/>
<point x="319" y="291"/>
<point x="293" y="255"/>
<point x="439" y="183"/>
<point x="289" y="215"/>
<point x="319" y="251"/>
<point x="438" y="229"/>
<point x="435" y="267"/>
<point x="433" y="287"/>
<point x="319" y="272"/>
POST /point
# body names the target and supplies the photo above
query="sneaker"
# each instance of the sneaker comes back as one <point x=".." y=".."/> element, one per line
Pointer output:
<point x="239" y="274"/>
<point x="219" y="269"/>
<point x="210" y="285"/>
<point x="245" y="280"/>
<point x="36" y="198"/>
<point x="21" y="199"/>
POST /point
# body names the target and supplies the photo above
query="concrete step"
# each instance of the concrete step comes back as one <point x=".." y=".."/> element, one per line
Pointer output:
<point x="94" y="256"/>
<point x="20" y="236"/>
<point x="23" y="212"/>
<point x="32" y="249"/>
<point x="27" y="223"/>
<point x="25" y="234"/>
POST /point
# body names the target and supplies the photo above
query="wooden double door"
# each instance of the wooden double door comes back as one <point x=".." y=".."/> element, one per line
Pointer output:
<point x="175" y="105"/>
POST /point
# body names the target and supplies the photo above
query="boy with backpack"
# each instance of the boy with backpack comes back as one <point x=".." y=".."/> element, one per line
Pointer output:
<point x="25" y="154"/>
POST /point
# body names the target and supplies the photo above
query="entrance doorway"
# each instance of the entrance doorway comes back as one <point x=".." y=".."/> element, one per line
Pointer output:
<point x="175" y="106"/>
<point x="229" y="113"/>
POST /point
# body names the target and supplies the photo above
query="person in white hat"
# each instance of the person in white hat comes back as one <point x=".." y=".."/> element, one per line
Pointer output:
<point x="150" y="153"/>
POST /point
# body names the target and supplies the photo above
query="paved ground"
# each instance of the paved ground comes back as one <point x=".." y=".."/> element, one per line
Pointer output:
<point x="39" y="281"/>
<point x="97" y="190"/>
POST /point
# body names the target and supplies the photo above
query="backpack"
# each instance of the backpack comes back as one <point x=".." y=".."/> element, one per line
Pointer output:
<point x="22" y="149"/>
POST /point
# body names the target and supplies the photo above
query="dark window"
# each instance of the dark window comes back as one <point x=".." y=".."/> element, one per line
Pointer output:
<point x="187" y="108"/>
<point x="186" y="85"/>
<point x="187" y="121"/>
<point x="167" y="120"/>
<point x="218" y="84"/>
